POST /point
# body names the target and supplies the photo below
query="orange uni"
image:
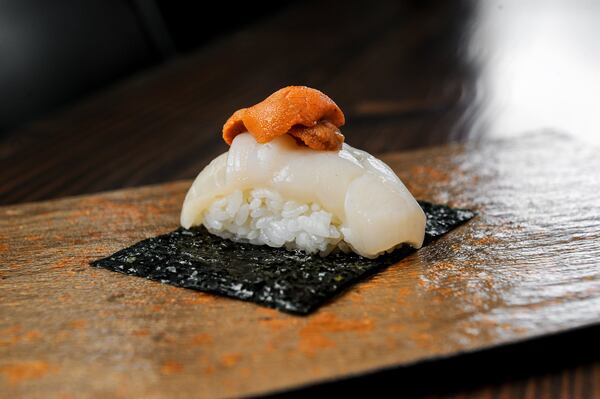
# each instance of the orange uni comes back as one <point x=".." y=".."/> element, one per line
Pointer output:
<point x="304" y="113"/>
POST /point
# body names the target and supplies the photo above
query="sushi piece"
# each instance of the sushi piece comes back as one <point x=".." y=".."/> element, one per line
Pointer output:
<point x="289" y="180"/>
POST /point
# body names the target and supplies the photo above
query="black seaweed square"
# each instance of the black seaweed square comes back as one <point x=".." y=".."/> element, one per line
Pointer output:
<point x="291" y="281"/>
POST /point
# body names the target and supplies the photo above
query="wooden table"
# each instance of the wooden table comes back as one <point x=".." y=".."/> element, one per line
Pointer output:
<point x="404" y="77"/>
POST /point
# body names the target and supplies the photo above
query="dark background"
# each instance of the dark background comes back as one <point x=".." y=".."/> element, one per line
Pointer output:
<point x="54" y="54"/>
<point x="104" y="94"/>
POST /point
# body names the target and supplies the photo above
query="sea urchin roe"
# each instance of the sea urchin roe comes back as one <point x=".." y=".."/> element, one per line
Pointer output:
<point x="306" y="114"/>
<point x="322" y="136"/>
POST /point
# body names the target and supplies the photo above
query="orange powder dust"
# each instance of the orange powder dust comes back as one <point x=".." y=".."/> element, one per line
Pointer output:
<point x="171" y="367"/>
<point x="315" y="335"/>
<point x="25" y="370"/>
<point x="304" y="113"/>
<point x="230" y="359"/>
<point x="201" y="339"/>
<point x="77" y="324"/>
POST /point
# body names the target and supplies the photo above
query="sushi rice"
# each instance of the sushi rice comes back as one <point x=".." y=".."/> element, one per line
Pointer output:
<point x="262" y="217"/>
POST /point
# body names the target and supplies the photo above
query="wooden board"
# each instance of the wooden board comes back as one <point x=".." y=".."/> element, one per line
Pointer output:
<point x="525" y="267"/>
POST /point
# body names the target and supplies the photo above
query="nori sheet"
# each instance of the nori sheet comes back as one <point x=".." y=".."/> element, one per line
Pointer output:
<point x="291" y="281"/>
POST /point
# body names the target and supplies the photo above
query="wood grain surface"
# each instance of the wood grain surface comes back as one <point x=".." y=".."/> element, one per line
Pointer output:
<point x="527" y="266"/>
<point x="407" y="74"/>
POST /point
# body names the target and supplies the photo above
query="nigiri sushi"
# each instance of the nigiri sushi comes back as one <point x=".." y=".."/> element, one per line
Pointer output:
<point x="289" y="180"/>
